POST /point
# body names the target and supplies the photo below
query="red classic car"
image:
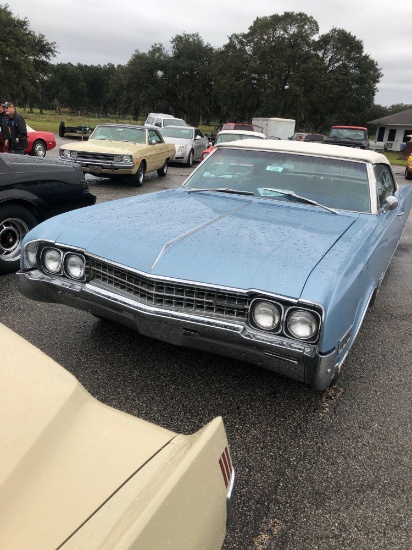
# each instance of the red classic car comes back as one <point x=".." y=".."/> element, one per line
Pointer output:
<point x="39" y="142"/>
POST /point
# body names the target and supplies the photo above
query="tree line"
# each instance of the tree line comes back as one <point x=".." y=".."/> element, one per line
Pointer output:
<point x="280" y="67"/>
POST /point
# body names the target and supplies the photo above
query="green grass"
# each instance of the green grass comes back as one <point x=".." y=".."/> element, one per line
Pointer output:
<point x="395" y="158"/>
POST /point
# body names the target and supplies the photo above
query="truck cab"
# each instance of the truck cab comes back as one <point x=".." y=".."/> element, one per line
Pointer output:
<point x="349" y="136"/>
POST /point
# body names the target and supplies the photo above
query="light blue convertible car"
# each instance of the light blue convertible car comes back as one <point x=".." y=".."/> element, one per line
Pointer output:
<point x="270" y="252"/>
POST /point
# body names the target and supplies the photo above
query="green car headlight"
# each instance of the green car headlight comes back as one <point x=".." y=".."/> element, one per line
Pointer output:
<point x="266" y="315"/>
<point x="302" y="324"/>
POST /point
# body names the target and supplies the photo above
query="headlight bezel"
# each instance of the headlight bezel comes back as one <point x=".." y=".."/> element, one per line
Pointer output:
<point x="51" y="250"/>
<point x="67" y="154"/>
<point x="41" y="249"/>
<point x="259" y="303"/>
<point x="67" y="269"/>
<point x="287" y="309"/>
<point x="123" y="159"/>
<point x="304" y="312"/>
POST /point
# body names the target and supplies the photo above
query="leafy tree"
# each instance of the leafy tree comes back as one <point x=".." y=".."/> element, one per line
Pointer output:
<point x="24" y="62"/>
<point x="145" y="84"/>
<point x="188" y="76"/>
<point x="234" y="86"/>
<point x="349" y="81"/>
<point x="66" y="87"/>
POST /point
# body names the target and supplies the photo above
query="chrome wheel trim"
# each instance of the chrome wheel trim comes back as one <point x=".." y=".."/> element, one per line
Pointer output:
<point x="12" y="233"/>
<point x="39" y="149"/>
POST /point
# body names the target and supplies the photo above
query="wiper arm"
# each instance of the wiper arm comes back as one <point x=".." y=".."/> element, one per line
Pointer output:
<point x="302" y="199"/>
<point x="221" y="190"/>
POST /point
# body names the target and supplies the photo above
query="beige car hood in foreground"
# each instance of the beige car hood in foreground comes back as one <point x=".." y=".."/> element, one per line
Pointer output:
<point x="63" y="453"/>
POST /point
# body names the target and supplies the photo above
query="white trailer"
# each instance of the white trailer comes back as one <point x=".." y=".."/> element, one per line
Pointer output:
<point x="282" y="128"/>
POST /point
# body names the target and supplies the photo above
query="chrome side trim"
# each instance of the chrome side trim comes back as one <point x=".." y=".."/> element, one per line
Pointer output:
<point x="230" y="501"/>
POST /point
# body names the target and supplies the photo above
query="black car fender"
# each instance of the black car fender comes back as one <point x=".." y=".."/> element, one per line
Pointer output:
<point x="27" y="200"/>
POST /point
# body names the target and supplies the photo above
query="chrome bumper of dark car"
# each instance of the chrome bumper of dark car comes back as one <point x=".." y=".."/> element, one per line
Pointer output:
<point x="229" y="338"/>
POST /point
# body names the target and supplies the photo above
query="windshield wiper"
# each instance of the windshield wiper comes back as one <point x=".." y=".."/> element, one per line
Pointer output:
<point x="301" y="199"/>
<point x="221" y="190"/>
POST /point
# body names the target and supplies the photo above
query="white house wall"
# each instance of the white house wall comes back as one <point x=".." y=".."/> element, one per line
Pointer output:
<point x="396" y="144"/>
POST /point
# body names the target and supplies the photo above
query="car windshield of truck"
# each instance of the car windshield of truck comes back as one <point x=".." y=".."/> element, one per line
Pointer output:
<point x="348" y="133"/>
<point x="333" y="183"/>
<point x="120" y="133"/>
<point x="181" y="133"/>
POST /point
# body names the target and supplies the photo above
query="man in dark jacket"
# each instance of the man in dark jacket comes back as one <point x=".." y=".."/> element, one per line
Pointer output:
<point x="4" y="128"/>
<point x="17" y="129"/>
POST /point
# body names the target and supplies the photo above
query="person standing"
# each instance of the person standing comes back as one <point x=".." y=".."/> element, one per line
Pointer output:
<point x="17" y="130"/>
<point x="4" y="129"/>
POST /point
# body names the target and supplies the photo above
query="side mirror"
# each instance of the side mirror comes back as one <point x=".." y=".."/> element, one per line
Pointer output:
<point x="197" y="138"/>
<point x="391" y="203"/>
<point x="153" y="142"/>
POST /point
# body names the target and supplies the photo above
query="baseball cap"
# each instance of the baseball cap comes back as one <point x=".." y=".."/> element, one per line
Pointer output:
<point x="7" y="104"/>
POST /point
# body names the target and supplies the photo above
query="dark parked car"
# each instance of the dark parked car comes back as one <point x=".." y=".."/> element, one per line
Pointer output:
<point x="32" y="190"/>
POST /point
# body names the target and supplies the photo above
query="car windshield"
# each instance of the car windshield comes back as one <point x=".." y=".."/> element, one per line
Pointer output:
<point x="181" y="133"/>
<point x="351" y="133"/>
<point x="173" y="122"/>
<point x="335" y="183"/>
<point x="120" y="133"/>
<point x="225" y="138"/>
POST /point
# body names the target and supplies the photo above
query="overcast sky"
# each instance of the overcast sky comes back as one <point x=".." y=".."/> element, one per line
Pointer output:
<point x="97" y="32"/>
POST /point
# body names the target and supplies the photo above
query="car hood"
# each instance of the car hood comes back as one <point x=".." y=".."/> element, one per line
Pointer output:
<point x="224" y="240"/>
<point x="104" y="146"/>
<point x="63" y="453"/>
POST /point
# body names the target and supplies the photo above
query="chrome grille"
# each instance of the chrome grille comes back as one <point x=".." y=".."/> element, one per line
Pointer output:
<point x="171" y="295"/>
<point x="97" y="157"/>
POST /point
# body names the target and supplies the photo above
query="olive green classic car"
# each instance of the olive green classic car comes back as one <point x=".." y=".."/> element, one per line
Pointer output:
<point x="77" y="474"/>
<point x="115" y="150"/>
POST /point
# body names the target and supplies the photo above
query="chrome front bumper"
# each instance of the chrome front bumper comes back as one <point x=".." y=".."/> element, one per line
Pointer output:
<point x="233" y="339"/>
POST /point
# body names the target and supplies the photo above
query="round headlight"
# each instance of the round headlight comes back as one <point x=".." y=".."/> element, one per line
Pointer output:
<point x="127" y="158"/>
<point x="266" y="315"/>
<point x="30" y="254"/>
<point x="52" y="260"/>
<point x="65" y="153"/>
<point x="75" y="266"/>
<point x="73" y="154"/>
<point x="302" y="324"/>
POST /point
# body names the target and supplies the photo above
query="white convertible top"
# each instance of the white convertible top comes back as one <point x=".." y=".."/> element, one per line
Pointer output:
<point x="309" y="148"/>
<point x="241" y="133"/>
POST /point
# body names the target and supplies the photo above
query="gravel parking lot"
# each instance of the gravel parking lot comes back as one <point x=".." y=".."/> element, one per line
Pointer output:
<point x="314" y="471"/>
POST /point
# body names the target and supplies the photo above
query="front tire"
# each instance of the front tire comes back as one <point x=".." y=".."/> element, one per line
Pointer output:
<point x="189" y="162"/>
<point x="138" y="178"/>
<point x="39" y="148"/>
<point x="15" y="222"/>
<point x="163" y="170"/>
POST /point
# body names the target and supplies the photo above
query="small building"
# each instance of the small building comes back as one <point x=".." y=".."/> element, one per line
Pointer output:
<point x="393" y="131"/>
